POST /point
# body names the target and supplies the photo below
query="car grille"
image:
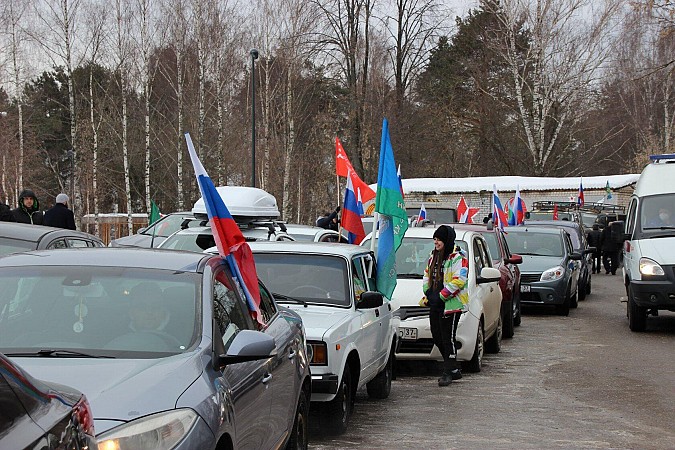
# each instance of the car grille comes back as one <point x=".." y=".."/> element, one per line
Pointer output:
<point x="529" y="277"/>
<point x="418" y="346"/>
<point x="530" y="297"/>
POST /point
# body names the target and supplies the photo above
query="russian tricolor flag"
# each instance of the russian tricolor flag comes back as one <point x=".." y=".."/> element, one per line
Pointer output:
<point x="498" y="215"/>
<point x="230" y="242"/>
<point x="516" y="212"/>
<point x="351" y="215"/>
<point x="422" y="216"/>
<point x="580" y="196"/>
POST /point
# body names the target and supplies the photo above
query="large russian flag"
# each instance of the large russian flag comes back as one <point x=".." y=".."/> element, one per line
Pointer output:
<point x="230" y="241"/>
<point x="351" y="217"/>
<point x="498" y="215"/>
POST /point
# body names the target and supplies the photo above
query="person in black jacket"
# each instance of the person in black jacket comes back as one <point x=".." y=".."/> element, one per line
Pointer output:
<point x="593" y="239"/>
<point x="610" y="250"/>
<point x="5" y="213"/>
<point x="329" y="221"/>
<point x="59" y="215"/>
<point x="29" y="209"/>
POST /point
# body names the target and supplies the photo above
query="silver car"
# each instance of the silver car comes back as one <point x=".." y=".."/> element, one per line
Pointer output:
<point x="162" y="344"/>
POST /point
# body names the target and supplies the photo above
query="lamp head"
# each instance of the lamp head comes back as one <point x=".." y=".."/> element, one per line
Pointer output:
<point x="254" y="53"/>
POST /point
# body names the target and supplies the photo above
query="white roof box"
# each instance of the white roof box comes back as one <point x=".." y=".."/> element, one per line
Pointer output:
<point x="244" y="201"/>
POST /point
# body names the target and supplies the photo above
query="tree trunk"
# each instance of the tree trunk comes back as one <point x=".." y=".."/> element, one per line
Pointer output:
<point x="94" y="131"/>
<point x="290" y="144"/>
<point x="179" y="147"/>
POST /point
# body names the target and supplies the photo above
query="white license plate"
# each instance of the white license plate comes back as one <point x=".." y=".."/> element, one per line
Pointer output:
<point x="524" y="288"/>
<point x="408" y="333"/>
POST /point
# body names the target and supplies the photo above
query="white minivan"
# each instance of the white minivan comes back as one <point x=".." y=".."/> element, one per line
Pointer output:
<point x="649" y="243"/>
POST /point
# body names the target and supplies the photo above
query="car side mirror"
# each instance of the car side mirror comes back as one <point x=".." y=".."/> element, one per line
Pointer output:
<point x="575" y="256"/>
<point x="248" y="345"/>
<point x="514" y="259"/>
<point x="369" y="300"/>
<point x="488" y="275"/>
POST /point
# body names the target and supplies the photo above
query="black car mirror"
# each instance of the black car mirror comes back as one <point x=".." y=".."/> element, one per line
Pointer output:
<point x="248" y="345"/>
<point x="576" y="256"/>
<point x="370" y="299"/>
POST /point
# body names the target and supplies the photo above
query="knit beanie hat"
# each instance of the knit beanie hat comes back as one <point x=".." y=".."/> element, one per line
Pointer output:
<point x="62" y="198"/>
<point x="447" y="235"/>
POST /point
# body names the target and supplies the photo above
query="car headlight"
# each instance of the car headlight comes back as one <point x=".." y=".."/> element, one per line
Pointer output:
<point x="650" y="268"/>
<point x="552" y="274"/>
<point x="154" y="432"/>
<point x="319" y="353"/>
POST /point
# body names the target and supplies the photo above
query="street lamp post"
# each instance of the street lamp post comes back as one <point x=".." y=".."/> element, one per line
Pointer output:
<point x="254" y="56"/>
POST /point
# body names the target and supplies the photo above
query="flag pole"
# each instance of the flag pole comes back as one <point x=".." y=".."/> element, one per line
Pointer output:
<point x="372" y="242"/>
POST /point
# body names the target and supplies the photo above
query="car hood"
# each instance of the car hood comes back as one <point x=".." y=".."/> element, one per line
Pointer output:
<point x="661" y="250"/>
<point x="120" y="390"/>
<point x="408" y="292"/>
<point x="135" y="240"/>
<point x="539" y="263"/>
<point x="319" y="319"/>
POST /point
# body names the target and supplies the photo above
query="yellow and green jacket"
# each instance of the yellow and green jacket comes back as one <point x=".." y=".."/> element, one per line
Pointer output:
<point x="455" y="292"/>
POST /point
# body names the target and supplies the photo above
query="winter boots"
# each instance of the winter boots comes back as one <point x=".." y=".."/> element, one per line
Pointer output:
<point x="451" y="372"/>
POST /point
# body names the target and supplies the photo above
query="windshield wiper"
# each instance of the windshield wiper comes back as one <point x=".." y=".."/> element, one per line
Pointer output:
<point x="290" y="299"/>
<point x="409" y="275"/>
<point x="58" y="353"/>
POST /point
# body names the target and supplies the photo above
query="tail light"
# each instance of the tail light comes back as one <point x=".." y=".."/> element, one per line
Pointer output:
<point x="84" y="416"/>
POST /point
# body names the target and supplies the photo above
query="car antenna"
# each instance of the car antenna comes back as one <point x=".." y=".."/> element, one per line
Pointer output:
<point x="152" y="240"/>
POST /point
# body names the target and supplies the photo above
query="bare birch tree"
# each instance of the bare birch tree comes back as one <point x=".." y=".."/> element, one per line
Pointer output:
<point x="568" y="46"/>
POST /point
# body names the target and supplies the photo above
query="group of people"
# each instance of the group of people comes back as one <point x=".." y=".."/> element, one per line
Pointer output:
<point x="607" y="249"/>
<point x="28" y="211"/>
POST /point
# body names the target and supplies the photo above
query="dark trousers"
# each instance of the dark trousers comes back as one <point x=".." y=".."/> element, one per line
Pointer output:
<point x="444" y="332"/>
<point x="610" y="259"/>
<point x="597" y="258"/>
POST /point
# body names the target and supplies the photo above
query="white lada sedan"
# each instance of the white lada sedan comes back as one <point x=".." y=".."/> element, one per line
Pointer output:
<point x="480" y="328"/>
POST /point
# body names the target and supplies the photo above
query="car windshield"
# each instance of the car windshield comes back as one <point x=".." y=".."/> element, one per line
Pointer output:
<point x="168" y="225"/>
<point x="8" y="246"/>
<point x="588" y="219"/>
<point x="413" y="254"/>
<point x="310" y="278"/>
<point x="437" y="215"/>
<point x="534" y="243"/>
<point x="657" y="214"/>
<point x="98" y="311"/>
<point x="189" y="242"/>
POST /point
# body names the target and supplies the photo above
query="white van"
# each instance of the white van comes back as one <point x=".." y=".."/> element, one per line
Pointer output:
<point x="649" y="247"/>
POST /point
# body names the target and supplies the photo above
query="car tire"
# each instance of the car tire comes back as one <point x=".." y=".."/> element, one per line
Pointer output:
<point x="564" y="309"/>
<point x="494" y="343"/>
<point x="581" y="291"/>
<point x="573" y="299"/>
<point x="339" y="410"/>
<point x="517" y="318"/>
<point x="476" y="362"/>
<point x="299" y="439"/>
<point x="588" y="287"/>
<point x="507" y="320"/>
<point x="637" y="315"/>
<point x="380" y="386"/>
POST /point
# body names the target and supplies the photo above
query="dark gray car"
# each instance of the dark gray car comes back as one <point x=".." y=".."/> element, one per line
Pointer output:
<point x="549" y="272"/>
<point x="155" y="234"/>
<point x="162" y="344"/>
<point x="21" y="237"/>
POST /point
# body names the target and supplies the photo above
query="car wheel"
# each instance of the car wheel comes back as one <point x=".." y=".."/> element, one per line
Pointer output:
<point x="339" y="410"/>
<point x="476" y="362"/>
<point x="380" y="386"/>
<point x="299" y="435"/>
<point x="507" y="319"/>
<point x="637" y="315"/>
<point x="581" y="291"/>
<point x="517" y="317"/>
<point x="588" y="287"/>
<point x="564" y="309"/>
<point x="494" y="344"/>
<point x="573" y="299"/>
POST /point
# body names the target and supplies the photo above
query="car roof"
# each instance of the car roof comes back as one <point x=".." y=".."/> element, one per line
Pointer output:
<point x="539" y="228"/>
<point x="428" y="232"/>
<point x="325" y="248"/>
<point x="108" y="257"/>
<point x="35" y="233"/>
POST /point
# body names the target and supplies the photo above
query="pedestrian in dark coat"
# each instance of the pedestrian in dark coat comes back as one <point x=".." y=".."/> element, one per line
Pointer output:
<point x="5" y="213"/>
<point x="610" y="250"/>
<point x="59" y="215"/>
<point x="593" y="239"/>
<point x="29" y="209"/>
<point x="329" y="221"/>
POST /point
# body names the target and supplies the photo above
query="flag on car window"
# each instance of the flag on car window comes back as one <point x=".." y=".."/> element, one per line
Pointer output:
<point x="580" y="195"/>
<point x="498" y="215"/>
<point x="230" y="241"/>
<point x="351" y="217"/>
<point x="344" y="168"/>
<point x="393" y="221"/>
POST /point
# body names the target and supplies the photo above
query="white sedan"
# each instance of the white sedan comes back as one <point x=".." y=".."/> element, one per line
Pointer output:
<point x="480" y="328"/>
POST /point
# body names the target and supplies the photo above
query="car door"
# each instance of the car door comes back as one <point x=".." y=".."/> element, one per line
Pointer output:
<point x="284" y="382"/>
<point x="572" y="264"/>
<point x="490" y="291"/>
<point x="370" y="318"/>
<point x="249" y="382"/>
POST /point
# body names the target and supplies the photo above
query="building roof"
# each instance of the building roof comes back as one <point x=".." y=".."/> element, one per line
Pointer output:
<point x="510" y="183"/>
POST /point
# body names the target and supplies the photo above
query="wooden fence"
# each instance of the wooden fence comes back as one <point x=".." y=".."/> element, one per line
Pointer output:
<point x="112" y="226"/>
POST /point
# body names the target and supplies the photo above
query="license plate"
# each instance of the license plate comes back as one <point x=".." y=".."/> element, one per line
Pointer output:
<point x="408" y="333"/>
<point x="524" y="288"/>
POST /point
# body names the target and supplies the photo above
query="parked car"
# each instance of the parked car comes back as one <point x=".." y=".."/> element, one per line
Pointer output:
<point x="200" y="239"/>
<point x="155" y="234"/>
<point x="579" y="245"/>
<point x="21" y="237"/>
<point x="479" y="329"/>
<point x="41" y="415"/>
<point x="507" y="264"/>
<point x="164" y="348"/>
<point x="312" y="233"/>
<point x="649" y="243"/>
<point x="549" y="274"/>
<point x="349" y="326"/>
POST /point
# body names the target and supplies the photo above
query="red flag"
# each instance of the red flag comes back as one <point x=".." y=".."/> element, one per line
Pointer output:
<point x="342" y="164"/>
<point x="367" y="194"/>
<point x="464" y="212"/>
<point x="351" y="216"/>
<point x="555" y="212"/>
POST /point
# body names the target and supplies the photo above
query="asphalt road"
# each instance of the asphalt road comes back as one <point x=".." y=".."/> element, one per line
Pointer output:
<point x="584" y="381"/>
